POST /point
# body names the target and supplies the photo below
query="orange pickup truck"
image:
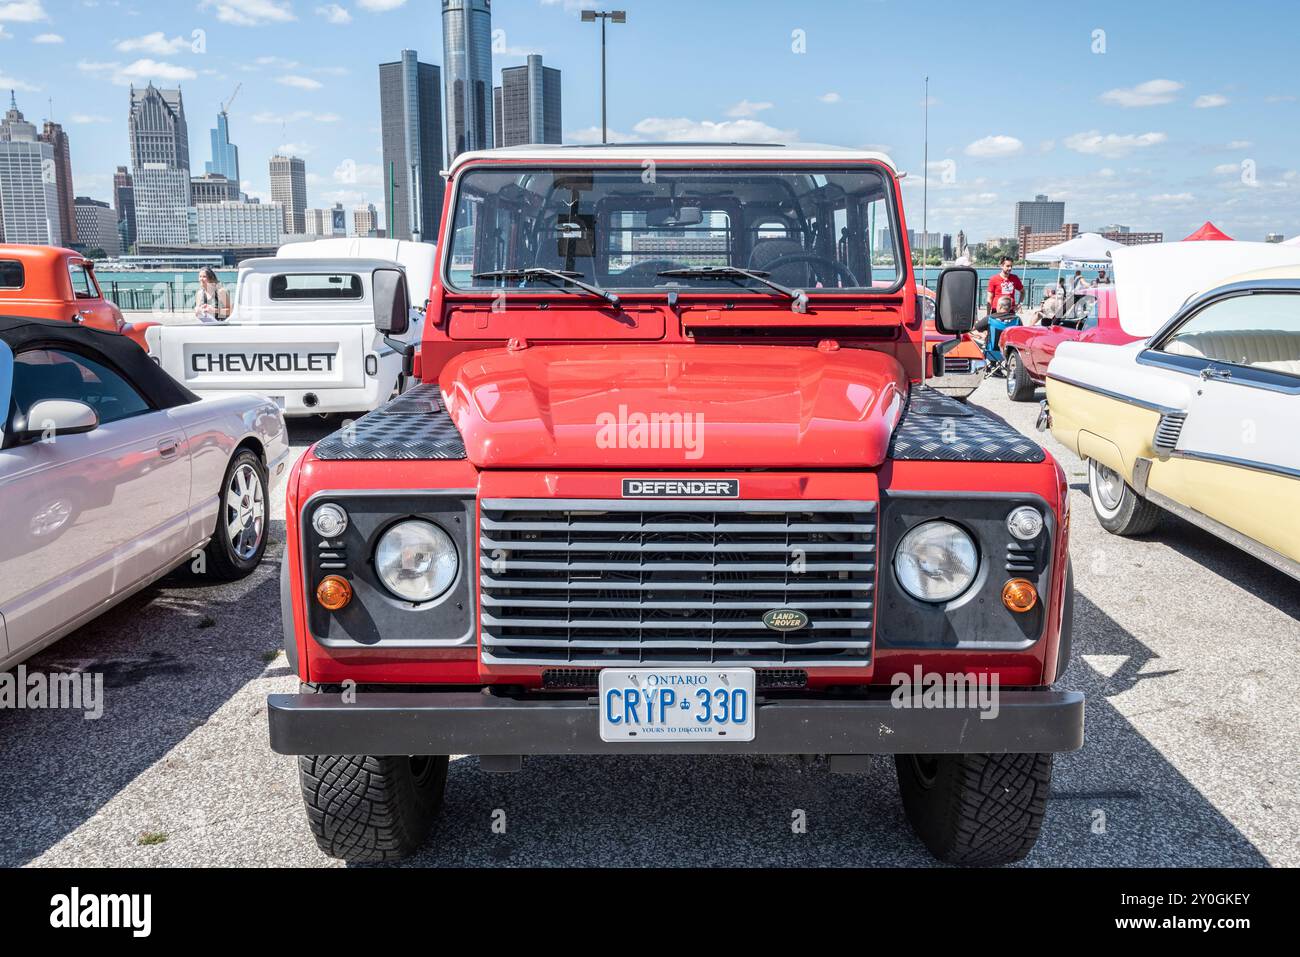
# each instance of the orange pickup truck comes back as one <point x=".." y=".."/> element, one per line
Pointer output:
<point x="49" y="282"/>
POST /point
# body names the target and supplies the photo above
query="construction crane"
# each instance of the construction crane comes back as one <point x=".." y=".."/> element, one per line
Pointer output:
<point x="226" y="105"/>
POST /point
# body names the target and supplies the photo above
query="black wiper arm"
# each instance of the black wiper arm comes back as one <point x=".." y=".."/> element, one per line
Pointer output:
<point x="553" y="275"/>
<point x="731" y="272"/>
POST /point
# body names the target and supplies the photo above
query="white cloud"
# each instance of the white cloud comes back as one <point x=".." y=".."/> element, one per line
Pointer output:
<point x="156" y="43"/>
<point x="22" y="11"/>
<point x="1240" y="145"/>
<point x="47" y="38"/>
<point x="88" y="118"/>
<point x="1226" y="169"/>
<point x="298" y="82"/>
<point x="268" y="118"/>
<point x="993" y="146"/>
<point x="1172" y="198"/>
<point x="13" y="83"/>
<point x="1210" y="100"/>
<point x="748" y="108"/>
<point x="333" y="13"/>
<point x="1280" y="98"/>
<point x="251" y="13"/>
<point x="831" y="97"/>
<point x="140" y="71"/>
<point x="292" y="149"/>
<point x="725" y="131"/>
<point x="1095" y="143"/>
<point x="1150" y="93"/>
<point x="380" y="6"/>
<point x="352" y="173"/>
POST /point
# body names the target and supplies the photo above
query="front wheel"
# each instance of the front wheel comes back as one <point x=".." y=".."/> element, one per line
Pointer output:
<point x="237" y="545"/>
<point x="366" y="808"/>
<point x="1119" y="509"/>
<point x="1020" y="388"/>
<point x="977" y="809"/>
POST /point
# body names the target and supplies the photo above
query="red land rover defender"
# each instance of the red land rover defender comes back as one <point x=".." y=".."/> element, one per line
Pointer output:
<point x="668" y="483"/>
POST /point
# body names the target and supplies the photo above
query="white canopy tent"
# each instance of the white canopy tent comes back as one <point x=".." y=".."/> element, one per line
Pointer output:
<point x="1086" y="249"/>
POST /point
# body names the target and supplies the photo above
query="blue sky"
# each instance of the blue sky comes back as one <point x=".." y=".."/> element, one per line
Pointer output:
<point x="1155" y="115"/>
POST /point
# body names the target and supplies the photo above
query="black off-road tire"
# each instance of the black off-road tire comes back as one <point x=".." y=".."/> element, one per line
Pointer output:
<point x="224" y="559"/>
<point x="979" y="809"/>
<point x="1020" y="387"/>
<point x="1119" y="509"/>
<point x="371" y="809"/>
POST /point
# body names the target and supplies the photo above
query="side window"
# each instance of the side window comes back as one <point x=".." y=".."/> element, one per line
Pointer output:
<point x="316" y="286"/>
<point x="59" y="374"/>
<point x="11" y="274"/>
<point x="1260" y="331"/>
<point x="83" y="287"/>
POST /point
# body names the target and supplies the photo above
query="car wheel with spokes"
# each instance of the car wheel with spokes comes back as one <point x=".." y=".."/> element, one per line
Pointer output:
<point x="237" y="544"/>
<point x="1019" y="386"/>
<point x="1119" y="509"/>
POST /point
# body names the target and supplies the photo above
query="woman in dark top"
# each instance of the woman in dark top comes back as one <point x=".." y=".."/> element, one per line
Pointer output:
<point x="211" y="302"/>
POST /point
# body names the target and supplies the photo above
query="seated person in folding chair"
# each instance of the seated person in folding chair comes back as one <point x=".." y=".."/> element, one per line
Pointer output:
<point x="988" y="330"/>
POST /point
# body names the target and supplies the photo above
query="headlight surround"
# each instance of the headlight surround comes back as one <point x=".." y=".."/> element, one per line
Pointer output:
<point x="416" y="560"/>
<point x="936" y="561"/>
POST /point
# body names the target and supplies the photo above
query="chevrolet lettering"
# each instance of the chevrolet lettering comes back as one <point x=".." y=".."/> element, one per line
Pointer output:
<point x="489" y="565"/>
<point x="262" y="362"/>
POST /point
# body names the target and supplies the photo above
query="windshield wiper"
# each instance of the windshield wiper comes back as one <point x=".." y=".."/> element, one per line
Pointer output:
<point x="551" y="275"/>
<point x="730" y="272"/>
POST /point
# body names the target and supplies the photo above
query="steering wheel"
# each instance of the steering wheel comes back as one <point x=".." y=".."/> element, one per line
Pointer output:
<point x="822" y="269"/>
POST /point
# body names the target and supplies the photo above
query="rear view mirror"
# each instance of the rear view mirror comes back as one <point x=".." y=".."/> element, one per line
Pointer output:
<point x="49" y="418"/>
<point x="392" y="304"/>
<point x="955" y="300"/>
<point x="668" y="218"/>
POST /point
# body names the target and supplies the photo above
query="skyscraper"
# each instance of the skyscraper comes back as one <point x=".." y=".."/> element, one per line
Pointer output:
<point x="1040" y="216"/>
<point x="411" y="119"/>
<point x="467" y="66"/>
<point x="97" y="226"/>
<point x="162" y="202"/>
<point x="289" y="189"/>
<point x="124" y="203"/>
<point x="225" y="154"/>
<point x="158" y="130"/>
<point x="365" y="220"/>
<point x="526" y="105"/>
<point x="58" y="140"/>
<point x="29" y="195"/>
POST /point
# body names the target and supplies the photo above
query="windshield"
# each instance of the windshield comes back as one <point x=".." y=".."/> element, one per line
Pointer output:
<point x="813" y="228"/>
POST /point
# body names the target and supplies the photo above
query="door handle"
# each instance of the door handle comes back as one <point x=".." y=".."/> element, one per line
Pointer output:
<point x="167" y="448"/>
<point x="1209" y="372"/>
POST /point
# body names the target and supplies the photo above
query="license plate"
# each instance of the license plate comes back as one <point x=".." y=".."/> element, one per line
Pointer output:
<point x="676" y="704"/>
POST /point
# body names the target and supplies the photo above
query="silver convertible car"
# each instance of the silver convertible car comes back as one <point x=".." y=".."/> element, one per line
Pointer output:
<point x="112" y="474"/>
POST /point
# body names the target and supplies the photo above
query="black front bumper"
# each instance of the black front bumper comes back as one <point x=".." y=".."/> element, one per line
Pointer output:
<point x="472" y="722"/>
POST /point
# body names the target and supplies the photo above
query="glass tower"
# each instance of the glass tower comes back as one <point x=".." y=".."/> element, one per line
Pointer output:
<point x="467" y="74"/>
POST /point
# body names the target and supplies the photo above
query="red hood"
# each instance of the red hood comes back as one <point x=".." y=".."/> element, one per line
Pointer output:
<point x="675" y="406"/>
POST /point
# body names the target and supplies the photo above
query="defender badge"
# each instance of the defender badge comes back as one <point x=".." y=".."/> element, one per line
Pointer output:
<point x="785" y="619"/>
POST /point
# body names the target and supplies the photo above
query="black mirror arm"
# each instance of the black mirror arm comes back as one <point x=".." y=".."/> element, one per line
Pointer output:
<point x="404" y="349"/>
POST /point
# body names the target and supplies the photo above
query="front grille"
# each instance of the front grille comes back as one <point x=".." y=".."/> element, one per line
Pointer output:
<point x="608" y="582"/>
<point x="955" y="365"/>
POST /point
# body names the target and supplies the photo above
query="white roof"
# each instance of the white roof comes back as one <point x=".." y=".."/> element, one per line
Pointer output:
<point x="701" y="152"/>
<point x="419" y="259"/>
<point x="1086" y="247"/>
<point x="1153" y="281"/>
<point x="315" y="264"/>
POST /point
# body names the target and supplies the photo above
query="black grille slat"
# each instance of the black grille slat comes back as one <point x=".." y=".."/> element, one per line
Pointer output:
<point x="614" y="582"/>
<point x="1168" y="431"/>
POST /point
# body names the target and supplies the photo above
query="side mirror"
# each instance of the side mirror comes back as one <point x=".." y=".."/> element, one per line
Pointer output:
<point x="55" y="417"/>
<point x="955" y="300"/>
<point x="392" y="304"/>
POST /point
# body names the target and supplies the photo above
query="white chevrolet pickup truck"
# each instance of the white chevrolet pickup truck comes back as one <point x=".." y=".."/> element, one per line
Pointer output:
<point x="302" y="329"/>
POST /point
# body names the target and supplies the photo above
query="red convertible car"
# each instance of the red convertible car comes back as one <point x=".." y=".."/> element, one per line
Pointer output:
<point x="1029" y="349"/>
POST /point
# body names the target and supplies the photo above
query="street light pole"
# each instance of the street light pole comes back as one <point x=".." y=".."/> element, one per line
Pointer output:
<point x="590" y="16"/>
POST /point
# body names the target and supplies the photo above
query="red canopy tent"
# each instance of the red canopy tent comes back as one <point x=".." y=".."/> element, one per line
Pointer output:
<point x="1208" y="231"/>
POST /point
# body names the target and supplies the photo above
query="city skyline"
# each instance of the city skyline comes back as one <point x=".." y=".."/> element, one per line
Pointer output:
<point x="1120" y="127"/>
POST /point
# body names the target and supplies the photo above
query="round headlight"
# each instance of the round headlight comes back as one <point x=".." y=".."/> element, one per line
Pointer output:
<point x="1025" y="523"/>
<point x="416" y="560"/>
<point x="330" y="521"/>
<point x="936" y="561"/>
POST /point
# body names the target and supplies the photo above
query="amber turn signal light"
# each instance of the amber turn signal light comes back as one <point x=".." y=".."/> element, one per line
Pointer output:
<point x="333" y="592"/>
<point x="1019" y="595"/>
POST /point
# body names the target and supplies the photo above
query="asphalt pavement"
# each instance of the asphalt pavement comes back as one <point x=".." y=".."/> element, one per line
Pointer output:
<point x="1187" y="649"/>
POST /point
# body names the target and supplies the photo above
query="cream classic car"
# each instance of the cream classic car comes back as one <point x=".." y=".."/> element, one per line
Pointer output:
<point x="1200" y="419"/>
